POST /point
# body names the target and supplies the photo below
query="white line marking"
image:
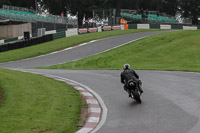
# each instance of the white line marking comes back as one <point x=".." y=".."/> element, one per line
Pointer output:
<point x="104" y="108"/>
<point x="86" y="94"/>
<point x="105" y="50"/>
<point x="84" y="130"/>
<point x="94" y="110"/>
<point x="79" y="88"/>
<point x="91" y="101"/>
<point x="93" y="119"/>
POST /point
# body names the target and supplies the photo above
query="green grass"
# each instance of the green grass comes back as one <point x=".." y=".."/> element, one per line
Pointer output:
<point x="59" y="44"/>
<point x="178" y="51"/>
<point x="34" y="104"/>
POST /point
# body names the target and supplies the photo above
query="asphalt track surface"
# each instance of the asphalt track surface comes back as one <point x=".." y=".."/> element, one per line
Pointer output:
<point x="78" y="52"/>
<point x="170" y="100"/>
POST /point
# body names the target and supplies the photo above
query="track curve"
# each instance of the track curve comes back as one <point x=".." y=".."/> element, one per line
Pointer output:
<point x="79" y="52"/>
<point x="170" y="99"/>
<point x="168" y="105"/>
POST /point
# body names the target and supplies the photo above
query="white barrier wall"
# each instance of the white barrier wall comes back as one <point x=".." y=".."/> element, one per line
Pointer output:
<point x="122" y="27"/>
<point x="21" y="37"/>
<point x="71" y="32"/>
<point x="189" y="28"/>
<point x="143" y="26"/>
<point x="99" y="29"/>
<point x="50" y="32"/>
<point x="1" y="41"/>
<point x="165" y="26"/>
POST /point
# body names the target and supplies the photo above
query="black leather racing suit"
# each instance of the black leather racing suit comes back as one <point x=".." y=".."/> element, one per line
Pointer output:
<point x="127" y="75"/>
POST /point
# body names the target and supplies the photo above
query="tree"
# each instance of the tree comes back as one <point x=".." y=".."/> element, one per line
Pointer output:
<point x="19" y="3"/>
<point x="169" y="6"/>
<point x="55" y="7"/>
<point x="4" y="2"/>
<point x="81" y="8"/>
<point x="190" y="8"/>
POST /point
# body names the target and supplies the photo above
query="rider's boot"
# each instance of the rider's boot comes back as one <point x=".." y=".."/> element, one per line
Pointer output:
<point x="126" y="89"/>
<point x="129" y="93"/>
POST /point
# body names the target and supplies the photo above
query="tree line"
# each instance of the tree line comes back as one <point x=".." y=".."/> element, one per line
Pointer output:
<point x="188" y="8"/>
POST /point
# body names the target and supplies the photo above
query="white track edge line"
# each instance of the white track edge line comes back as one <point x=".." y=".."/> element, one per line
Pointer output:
<point x="104" y="108"/>
<point x="105" y="50"/>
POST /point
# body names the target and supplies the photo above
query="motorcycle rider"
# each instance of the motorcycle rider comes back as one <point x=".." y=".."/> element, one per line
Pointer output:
<point x="127" y="75"/>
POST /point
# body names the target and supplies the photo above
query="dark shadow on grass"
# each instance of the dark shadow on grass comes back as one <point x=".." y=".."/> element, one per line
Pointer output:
<point x="1" y="98"/>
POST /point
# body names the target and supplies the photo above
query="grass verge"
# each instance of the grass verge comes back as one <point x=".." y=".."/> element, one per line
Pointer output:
<point x="1" y="98"/>
<point x="59" y="44"/>
<point x="178" y="51"/>
<point x="34" y="104"/>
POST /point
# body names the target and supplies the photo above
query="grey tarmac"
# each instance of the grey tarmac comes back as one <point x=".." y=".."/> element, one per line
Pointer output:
<point x="78" y="52"/>
<point x="170" y="100"/>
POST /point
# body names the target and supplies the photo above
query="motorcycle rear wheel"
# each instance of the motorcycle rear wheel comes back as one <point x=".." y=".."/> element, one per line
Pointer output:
<point x="136" y="96"/>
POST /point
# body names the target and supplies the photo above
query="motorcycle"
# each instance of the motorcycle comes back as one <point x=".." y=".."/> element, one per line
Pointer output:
<point x="134" y="91"/>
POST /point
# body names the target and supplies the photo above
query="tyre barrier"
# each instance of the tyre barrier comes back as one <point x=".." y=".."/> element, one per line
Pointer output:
<point x="25" y="43"/>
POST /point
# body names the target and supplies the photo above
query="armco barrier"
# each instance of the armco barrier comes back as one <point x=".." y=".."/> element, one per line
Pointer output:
<point x="25" y="43"/>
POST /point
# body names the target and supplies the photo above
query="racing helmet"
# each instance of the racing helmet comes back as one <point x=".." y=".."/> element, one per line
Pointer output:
<point x="126" y="66"/>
